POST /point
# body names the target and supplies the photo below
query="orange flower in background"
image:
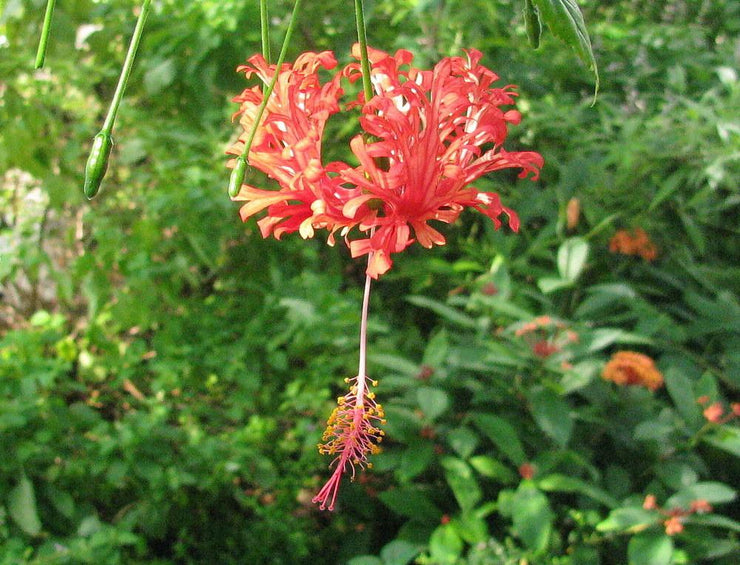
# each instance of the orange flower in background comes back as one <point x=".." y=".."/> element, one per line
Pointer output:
<point x="632" y="368"/>
<point x="426" y="136"/>
<point x="635" y="243"/>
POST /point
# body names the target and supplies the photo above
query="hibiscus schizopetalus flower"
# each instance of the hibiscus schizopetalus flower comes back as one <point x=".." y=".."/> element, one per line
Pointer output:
<point x="426" y="135"/>
<point x="632" y="368"/>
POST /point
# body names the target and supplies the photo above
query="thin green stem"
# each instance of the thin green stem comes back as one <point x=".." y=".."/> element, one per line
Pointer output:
<point x="271" y="86"/>
<point x="265" y="27"/>
<point x="127" y="65"/>
<point x="367" y="85"/>
<point x="45" y="31"/>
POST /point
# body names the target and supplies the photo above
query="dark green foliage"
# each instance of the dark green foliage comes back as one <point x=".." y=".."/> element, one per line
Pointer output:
<point x="165" y="373"/>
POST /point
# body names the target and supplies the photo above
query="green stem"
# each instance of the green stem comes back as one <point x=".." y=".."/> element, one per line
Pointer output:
<point x="265" y="27"/>
<point x="97" y="162"/>
<point x="127" y="65"/>
<point x="45" y="31"/>
<point x="240" y="168"/>
<point x="367" y="85"/>
<point x="273" y="81"/>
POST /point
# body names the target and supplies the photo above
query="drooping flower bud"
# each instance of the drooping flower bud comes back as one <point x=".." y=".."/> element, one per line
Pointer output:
<point x="237" y="176"/>
<point x="97" y="163"/>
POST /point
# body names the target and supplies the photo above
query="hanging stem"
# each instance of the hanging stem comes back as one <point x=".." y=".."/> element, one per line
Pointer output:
<point x="367" y="85"/>
<point x="361" y="370"/>
<point x="128" y="63"/>
<point x="97" y="162"/>
<point x="240" y="169"/>
<point x="367" y="88"/>
<point x="45" y="31"/>
<point x="265" y="28"/>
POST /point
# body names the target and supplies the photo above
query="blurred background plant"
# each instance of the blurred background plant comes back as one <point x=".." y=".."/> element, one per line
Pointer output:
<point x="164" y="372"/>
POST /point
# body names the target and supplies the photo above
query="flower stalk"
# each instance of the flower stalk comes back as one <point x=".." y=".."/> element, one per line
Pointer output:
<point x="238" y="173"/>
<point x="97" y="162"/>
<point x="45" y="32"/>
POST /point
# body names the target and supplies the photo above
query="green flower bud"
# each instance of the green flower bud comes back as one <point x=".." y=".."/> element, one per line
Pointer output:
<point x="97" y="163"/>
<point x="237" y="176"/>
<point x="532" y="24"/>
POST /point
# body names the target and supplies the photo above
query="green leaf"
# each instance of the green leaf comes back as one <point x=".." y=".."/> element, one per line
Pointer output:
<point x="414" y="460"/>
<point x="572" y="257"/>
<point x="650" y="548"/>
<point x="410" y="502"/>
<point x="435" y="352"/>
<point x="365" y="560"/>
<point x="627" y="518"/>
<point x="563" y="483"/>
<point x="551" y="284"/>
<point x="493" y="469"/>
<point x="461" y="480"/>
<point x="398" y="552"/>
<point x="726" y="438"/>
<point x="445" y="545"/>
<point x="444" y="311"/>
<point x="471" y="527"/>
<point x="503" y="435"/>
<point x="712" y="491"/>
<point x="682" y="393"/>
<point x="432" y="401"/>
<point x="464" y="441"/>
<point x="565" y="20"/>
<point x="22" y="507"/>
<point x="552" y="414"/>
<point x="532" y="517"/>
<point x="714" y="520"/>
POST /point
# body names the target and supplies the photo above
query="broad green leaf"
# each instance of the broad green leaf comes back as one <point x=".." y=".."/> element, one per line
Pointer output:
<point x="414" y="460"/>
<point x="532" y="516"/>
<point x="650" y="548"/>
<point x="502" y="434"/>
<point x="410" y="502"/>
<point x="365" y="560"/>
<point x="563" y="483"/>
<point x="435" y="352"/>
<point x="398" y="552"/>
<point x="551" y="284"/>
<point x="712" y="491"/>
<point x="682" y="393"/>
<point x="394" y="363"/>
<point x="471" y="527"/>
<point x="630" y="518"/>
<point x="726" y="438"/>
<point x="22" y="507"/>
<point x="445" y="545"/>
<point x="444" y="311"/>
<point x="714" y="520"/>
<point x="565" y="20"/>
<point x="493" y="469"/>
<point x="464" y="441"/>
<point x="572" y="257"/>
<point x="552" y="414"/>
<point x="461" y="480"/>
<point x="432" y="401"/>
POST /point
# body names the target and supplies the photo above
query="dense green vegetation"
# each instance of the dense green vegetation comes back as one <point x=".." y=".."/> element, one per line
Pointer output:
<point x="165" y="373"/>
